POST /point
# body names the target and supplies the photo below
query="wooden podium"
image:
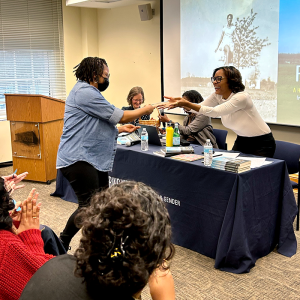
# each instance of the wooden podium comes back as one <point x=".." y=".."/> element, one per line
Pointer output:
<point x="36" y="124"/>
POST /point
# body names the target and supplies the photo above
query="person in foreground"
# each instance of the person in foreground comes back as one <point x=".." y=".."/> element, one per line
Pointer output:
<point x="88" y="143"/>
<point x="125" y="244"/>
<point x="196" y="128"/>
<point x="135" y="98"/>
<point x="237" y="112"/>
<point x="22" y="249"/>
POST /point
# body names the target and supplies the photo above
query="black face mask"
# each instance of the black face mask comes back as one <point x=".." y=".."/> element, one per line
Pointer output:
<point x="103" y="86"/>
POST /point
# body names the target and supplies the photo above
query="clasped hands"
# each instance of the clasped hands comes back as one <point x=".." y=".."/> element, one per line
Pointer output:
<point x="29" y="216"/>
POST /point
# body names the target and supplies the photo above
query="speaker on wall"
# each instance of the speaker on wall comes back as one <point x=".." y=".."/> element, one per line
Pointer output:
<point x="145" y="12"/>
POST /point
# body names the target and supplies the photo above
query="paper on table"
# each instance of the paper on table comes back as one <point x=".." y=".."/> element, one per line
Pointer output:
<point x="226" y="154"/>
<point x="267" y="162"/>
<point x="256" y="161"/>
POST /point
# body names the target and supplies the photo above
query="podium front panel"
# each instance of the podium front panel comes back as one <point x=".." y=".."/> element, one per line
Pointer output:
<point x="25" y="138"/>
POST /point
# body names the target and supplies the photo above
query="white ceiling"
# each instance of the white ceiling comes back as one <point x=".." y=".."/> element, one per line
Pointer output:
<point x="103" y="4"/>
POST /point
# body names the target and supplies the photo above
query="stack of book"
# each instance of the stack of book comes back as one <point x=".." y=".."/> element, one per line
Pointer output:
<point x="234" y="165"/>
<point x="171" y="151"/>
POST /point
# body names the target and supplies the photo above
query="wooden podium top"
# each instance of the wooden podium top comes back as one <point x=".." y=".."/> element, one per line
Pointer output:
<point x="33" y="108"/>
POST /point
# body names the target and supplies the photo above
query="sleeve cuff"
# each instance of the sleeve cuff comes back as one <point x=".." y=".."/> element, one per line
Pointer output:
<point x="116" y="116"/>
<point x="32" y="238"/>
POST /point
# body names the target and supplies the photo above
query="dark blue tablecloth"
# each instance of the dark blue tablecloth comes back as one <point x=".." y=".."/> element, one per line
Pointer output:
<point x="233" y="218"/>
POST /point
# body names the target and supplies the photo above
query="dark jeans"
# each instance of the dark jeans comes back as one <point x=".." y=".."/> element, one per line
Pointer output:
<point x="263" y="145"/>
<point x="85" y="181"/>
<point x="52" y="244"/>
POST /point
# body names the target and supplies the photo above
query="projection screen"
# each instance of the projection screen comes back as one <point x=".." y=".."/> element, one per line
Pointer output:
<point x="259" y="37"/>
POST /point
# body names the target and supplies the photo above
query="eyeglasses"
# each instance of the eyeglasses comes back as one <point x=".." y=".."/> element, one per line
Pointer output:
<point x="108" y="75"/>
<point x="217" y="79"/>
<point x="137" y="100"/>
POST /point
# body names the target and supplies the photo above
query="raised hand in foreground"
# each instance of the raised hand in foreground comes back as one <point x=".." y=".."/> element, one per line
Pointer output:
<point x="12" y="180"/>
<point x="30" y="213"/>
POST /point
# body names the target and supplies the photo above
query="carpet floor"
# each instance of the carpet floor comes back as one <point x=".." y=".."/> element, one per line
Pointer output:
<point x="273" y="277"/>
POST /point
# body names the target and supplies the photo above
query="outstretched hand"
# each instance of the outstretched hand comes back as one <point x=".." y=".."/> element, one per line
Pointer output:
<point x="128" y="128"/>
<point x="12" y="180"/>
<point x="30" y="214"/>
<point x="172" y="102"/>
<point x="149" y="108"/>
<point x="173" y="99"/>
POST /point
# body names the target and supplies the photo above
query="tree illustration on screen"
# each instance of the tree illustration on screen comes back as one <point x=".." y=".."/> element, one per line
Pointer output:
<point x="248" y="46"/>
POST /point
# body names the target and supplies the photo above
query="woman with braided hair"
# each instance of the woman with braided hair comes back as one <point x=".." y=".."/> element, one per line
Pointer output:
<point x="88" y="143"/>
<point x="125" y="244"/>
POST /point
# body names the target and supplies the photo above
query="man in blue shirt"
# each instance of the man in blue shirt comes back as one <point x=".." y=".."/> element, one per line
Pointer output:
<point x="88" y="143"/>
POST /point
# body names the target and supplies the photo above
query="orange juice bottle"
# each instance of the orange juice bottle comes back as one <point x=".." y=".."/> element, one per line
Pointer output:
<point x="169" y="135"/>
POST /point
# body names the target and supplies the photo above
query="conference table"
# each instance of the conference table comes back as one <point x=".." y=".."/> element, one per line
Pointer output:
<point x="232" y="218"/>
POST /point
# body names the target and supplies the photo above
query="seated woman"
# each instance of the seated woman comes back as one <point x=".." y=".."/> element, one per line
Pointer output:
<point x="126" y="243"/>
<point x="196" y="128"/>
<point x="22" y="249"/>
<point x="135" y="98"/>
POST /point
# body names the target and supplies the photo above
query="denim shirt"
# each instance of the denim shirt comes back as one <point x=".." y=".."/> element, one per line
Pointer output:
<point x="89" y="132"/>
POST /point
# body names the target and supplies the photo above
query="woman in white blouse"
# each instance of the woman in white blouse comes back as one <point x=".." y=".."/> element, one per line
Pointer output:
<point x="237" y="112"/>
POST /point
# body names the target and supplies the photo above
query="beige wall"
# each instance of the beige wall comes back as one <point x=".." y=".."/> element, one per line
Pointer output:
<point x="132" y="50"/>
<point x="72" y="42"/>
<point x="5" y="152"/>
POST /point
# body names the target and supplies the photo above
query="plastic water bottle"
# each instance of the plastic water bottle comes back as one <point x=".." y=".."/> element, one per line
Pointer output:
<point x="208" y="153"/>
<point x="176" y="136"/>
<point x="144" y="138"/>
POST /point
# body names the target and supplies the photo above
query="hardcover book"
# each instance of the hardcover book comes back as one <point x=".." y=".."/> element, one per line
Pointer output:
<point x="188" y="157"/>
<point x="171" y="151"/>
<point x="188" y="149"/>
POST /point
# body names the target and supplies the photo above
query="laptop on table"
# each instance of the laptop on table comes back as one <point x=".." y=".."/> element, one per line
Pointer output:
<point x="153" y="137"/>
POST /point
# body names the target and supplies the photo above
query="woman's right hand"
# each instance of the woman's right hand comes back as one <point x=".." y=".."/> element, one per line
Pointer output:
<point x="30" y="214"/>
<point x="149" y="109"/>
<point x="174" y="102"/>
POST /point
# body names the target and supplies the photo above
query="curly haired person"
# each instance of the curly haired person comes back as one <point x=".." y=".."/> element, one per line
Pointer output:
<point x="125" y="244"/>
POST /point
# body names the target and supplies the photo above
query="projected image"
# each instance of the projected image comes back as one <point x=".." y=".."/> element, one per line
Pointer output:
<point x="243" y="34"/>
<point x="226" y="43"/>
<point x="289" y="64"/>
